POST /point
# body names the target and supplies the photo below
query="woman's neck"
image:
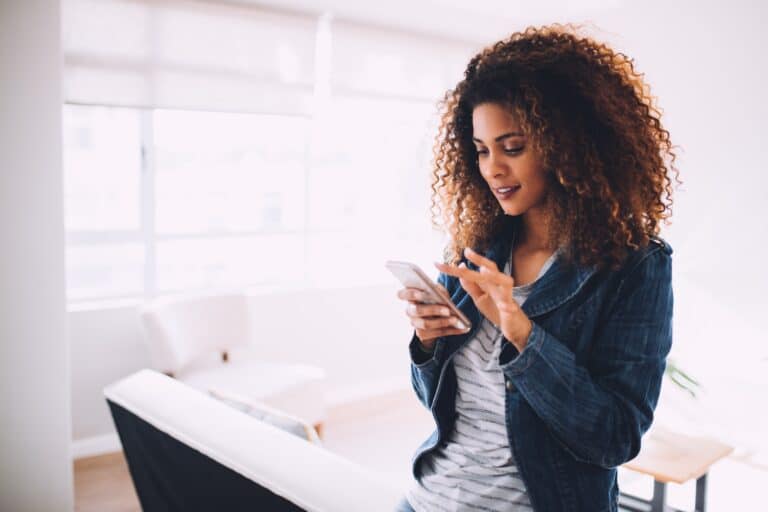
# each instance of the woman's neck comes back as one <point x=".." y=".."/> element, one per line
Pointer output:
<point x="533" y="234"/>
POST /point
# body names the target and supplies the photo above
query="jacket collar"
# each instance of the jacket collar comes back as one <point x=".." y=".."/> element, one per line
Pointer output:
<point x="558" y="284"/>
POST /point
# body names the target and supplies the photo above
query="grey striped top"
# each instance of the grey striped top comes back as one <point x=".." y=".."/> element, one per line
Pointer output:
<point x="474" y="469"/>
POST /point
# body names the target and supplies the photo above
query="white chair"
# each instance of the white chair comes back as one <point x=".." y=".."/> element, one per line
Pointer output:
<point x="205" y="341"/>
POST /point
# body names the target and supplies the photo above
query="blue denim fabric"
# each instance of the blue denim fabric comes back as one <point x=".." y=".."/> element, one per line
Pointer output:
<point x="404" y="506"/>
<point x="583" y="391"/>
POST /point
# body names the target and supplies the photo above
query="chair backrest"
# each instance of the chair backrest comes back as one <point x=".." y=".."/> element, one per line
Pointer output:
<point x="181" y="330"/>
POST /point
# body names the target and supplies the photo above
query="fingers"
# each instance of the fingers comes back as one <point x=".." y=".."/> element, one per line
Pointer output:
<point x="489" y="268"/>
<point x="412" y="295"/>
<point x="489" y="276"/>
<point x="430" y="334"/>
<point x="473" y="289"/>
<point x="429" y="316"/>
<point x="491" y="290"/>
<point x="419" y="310"/>
<point x="480" y="260"/>
<point x="510" y="306"/>
<point x="418" y="295"/>
<point x="462" y="272"/>
<point x="434" y="323"/>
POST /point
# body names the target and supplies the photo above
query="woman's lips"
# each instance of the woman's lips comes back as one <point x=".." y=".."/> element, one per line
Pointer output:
<point x="506" y="192"/>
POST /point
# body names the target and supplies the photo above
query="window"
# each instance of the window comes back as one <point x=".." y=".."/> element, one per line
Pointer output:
<point x="166" y="200"/>
<point x="229" y="198"/>
<point x="102" y="186"/>
<point x="285" y="151"/>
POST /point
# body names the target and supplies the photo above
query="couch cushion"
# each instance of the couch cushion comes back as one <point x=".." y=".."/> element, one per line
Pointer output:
<point x="267" y="414"/>
<point x="296" y="389"/>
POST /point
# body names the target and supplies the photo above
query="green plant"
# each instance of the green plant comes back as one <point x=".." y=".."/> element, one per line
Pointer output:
<point x="681" y="379"/>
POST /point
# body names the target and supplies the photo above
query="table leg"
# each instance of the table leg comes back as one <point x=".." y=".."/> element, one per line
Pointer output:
<point x="658" y="503"/>
<point x="701" y="493"/>
<point x="659" y="496"/>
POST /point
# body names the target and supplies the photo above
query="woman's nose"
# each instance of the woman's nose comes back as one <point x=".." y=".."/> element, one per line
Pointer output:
<point x="496" y="165"/>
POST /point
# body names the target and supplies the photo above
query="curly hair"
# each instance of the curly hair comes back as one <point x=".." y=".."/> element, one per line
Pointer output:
<point x="591" y="119"/>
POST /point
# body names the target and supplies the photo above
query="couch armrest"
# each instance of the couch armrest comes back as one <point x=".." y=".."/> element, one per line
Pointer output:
<point x="305" y="474"/>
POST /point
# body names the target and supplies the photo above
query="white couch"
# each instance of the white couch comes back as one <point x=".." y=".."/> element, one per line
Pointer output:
<point x="188" y="451"/>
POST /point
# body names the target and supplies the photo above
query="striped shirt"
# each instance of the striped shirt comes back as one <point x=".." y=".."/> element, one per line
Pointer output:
<point x="474" y="469"/>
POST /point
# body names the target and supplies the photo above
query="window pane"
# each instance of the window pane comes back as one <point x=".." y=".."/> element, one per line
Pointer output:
<point x="102" y="168"/>
<point x="221" y="171"/>
<point x="105" y="271"/>
<point x="237" y="261"/>
<point x="370" y="166"/>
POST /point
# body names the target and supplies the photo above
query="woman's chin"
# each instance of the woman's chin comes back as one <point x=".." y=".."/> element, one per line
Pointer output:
<point x="512" y="211"/>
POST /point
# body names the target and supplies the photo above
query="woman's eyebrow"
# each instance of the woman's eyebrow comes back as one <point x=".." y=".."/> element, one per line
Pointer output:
<point x="501" y="137"/>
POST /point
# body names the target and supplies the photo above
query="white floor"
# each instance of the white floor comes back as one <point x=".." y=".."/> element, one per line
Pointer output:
<point x="392" y="429"/>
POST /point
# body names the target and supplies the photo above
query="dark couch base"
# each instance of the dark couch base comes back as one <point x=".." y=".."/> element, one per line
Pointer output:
<point x="169" y="476"/>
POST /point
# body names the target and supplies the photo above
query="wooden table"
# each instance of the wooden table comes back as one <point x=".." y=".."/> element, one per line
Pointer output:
<point x="671" y="457"/>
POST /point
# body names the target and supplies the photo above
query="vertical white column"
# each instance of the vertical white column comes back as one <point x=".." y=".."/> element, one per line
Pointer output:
<point x="35" y="424"/>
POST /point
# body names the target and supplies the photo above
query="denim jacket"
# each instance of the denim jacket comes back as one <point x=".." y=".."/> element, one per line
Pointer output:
<point x="582" y="393"/>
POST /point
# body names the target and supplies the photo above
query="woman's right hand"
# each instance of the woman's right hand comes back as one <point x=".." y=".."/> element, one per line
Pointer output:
<point x="430" y="321"/>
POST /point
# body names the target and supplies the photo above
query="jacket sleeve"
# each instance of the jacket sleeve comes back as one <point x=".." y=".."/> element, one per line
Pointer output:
<point x="426" y="365"/>
<point x="600" y="412"/>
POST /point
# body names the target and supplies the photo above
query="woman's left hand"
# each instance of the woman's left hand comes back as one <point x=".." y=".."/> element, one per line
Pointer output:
<point x="491" y="291"/>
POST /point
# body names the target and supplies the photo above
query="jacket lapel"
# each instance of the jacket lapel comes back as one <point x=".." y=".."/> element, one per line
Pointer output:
<point x="555" y="287"/>
<point x="558" y="284"/>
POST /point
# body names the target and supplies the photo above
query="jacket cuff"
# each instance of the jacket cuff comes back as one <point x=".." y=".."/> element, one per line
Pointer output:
<point x="513" y="362"/>
<point x="419" y="355"/>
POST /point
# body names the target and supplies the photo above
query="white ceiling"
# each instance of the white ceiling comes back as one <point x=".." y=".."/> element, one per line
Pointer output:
<point x="481" y="21"/>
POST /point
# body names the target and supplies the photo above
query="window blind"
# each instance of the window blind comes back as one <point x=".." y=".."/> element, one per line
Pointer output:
<point x="187" y="54"/>
<point x="391" y="62"/>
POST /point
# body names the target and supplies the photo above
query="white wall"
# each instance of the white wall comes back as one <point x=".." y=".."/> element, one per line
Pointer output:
<point x="705" y="62"/>
<point x="36" y="469"/>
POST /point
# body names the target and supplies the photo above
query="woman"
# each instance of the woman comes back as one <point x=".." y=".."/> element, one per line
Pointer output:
<point x="552" y="164"/>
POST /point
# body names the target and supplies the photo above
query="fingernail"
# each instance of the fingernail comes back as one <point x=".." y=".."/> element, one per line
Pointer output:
<point x="444" y="311"/>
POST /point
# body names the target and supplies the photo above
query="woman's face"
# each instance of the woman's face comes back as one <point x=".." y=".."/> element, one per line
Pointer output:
<point x="507" y="159"/>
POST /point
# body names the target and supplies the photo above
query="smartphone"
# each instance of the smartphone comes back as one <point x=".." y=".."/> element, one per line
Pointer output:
<point x="413" y="277"/>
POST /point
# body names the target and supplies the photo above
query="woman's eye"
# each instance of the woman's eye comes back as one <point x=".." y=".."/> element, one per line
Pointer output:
<point x="510" y="151"/>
